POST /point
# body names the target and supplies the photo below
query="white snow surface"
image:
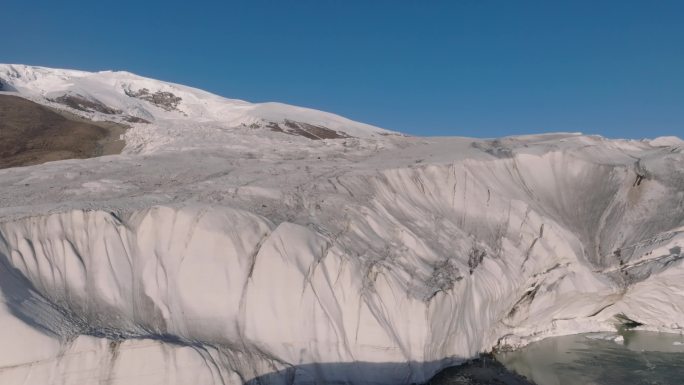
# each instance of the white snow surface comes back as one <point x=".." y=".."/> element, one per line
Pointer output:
<point x="195" y="121"/>
<point x="216" y="252"/>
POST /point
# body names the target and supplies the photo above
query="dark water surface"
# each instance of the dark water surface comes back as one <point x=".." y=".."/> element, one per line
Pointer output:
<point x="595" y="358"/>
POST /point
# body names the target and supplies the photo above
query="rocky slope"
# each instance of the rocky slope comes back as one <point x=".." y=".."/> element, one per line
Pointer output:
<point x="31" y="133"/>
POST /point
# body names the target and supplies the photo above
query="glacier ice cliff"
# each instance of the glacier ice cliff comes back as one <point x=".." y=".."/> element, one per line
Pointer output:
<point x="222" y="251"/>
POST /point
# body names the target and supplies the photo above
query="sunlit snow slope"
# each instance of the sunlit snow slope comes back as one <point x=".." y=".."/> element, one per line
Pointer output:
<point x="263" y="243"/>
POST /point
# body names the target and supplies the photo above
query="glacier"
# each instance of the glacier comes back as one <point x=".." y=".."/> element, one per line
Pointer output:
<point x="237" y="243"/>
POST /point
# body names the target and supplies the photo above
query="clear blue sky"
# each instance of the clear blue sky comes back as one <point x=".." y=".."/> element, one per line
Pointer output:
<point x="471" y="67"/>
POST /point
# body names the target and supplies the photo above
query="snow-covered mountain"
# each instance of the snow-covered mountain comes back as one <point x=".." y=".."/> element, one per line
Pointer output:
<point x="227" y="245"/>
<point x="168" y="109"/>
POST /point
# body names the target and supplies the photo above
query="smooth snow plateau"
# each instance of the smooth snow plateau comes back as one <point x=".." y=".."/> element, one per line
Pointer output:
<point x="219" y="248"/>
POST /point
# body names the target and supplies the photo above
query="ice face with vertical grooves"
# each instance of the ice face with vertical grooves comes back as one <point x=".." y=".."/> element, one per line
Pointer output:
<point x="436" y="261"/>
<point x="247" y="256"/>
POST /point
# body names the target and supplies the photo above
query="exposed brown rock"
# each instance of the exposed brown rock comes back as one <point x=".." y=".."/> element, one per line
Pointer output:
<point x="162" y="99"/>
<point x="135" y="119"/>
<point x="82" y="104"/>
<point x="31" y="134"/>
<point x="306" y="130"/>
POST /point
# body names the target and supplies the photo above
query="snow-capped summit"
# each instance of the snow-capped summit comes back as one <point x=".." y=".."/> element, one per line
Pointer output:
<point x="114" y="95"/>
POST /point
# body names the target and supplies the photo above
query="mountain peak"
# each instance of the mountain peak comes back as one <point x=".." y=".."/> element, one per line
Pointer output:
<point x="126" y="97"/>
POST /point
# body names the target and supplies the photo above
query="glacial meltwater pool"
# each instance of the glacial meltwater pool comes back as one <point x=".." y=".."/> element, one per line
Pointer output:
<point x="596" y="358"/>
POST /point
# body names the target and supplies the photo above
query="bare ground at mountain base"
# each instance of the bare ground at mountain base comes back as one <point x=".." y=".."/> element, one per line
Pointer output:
<point x="32" y="134"/>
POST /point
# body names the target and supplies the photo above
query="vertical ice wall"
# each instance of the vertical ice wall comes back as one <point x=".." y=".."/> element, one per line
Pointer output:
<point x="400" y="269"/>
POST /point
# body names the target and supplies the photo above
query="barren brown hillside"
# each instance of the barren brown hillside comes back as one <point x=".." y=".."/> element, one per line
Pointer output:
<point x="31" y="134"/>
